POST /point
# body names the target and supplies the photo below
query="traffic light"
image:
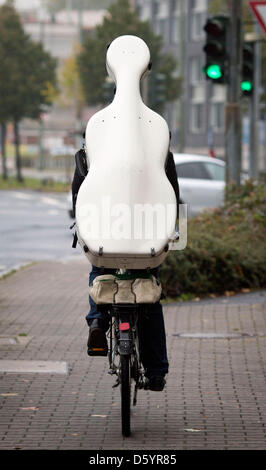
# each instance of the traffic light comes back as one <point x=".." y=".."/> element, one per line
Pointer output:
<point x="215" y="48"/>
<point x="248" y="64"/>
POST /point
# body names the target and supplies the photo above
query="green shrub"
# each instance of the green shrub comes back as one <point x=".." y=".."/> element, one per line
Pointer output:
<point x="226" y="247"/>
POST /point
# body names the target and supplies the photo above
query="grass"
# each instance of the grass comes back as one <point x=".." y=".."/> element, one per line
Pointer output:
<point x="15" y="270"/>
<point x="45" y="185"/>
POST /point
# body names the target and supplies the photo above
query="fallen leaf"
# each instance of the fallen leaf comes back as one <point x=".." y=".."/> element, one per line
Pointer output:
<point x="245" y="290"/>
<point x="9" y="394"/>
<point x="193" y="430"/>
<point x="30" y="408"/>
<point x="229" y="293"/>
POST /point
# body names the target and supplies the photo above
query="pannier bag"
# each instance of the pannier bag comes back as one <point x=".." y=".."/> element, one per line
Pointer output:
<point x="116" y="289"/>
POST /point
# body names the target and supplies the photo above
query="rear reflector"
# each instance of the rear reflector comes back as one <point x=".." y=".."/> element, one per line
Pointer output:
<point x="124" y="326"/>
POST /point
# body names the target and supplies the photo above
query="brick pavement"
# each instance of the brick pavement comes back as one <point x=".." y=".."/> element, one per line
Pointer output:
<point x="215" y="393"/>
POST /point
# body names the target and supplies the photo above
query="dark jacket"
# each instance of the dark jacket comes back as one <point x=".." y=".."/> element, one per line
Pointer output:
<point x="81" y="172"/>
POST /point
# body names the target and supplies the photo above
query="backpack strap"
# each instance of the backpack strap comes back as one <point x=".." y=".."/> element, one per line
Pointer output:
<point x="75" y="240"/>
<point x="75" y="236"/>
<point x="81" y="162"/>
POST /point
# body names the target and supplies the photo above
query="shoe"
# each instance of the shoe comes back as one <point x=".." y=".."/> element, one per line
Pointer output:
<point x="97" y="342"/>
<point x="155" y="383"/>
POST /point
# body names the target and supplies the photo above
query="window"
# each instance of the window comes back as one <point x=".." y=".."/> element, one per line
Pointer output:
<point x="161" y="27"/>
<point x="199" y="5"/>
<point x="195" y="170"/>
<point x="217" y="116"/>
<point x="196" y="74"/>
<point x="173" y="30"/>
<point x="197" y="123"/>
<point x="155" y="6"/>
<point x="138" y="9"/>
<point x="173" y="6"/>
<point x="217" y="172"/>
<point x="197" y="24"/>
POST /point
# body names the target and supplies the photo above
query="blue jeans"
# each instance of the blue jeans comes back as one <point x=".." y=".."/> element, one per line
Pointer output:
<point x="151" y="329"/>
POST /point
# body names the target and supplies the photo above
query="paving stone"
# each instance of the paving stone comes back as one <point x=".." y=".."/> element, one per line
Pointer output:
<point x="215" y="392"/>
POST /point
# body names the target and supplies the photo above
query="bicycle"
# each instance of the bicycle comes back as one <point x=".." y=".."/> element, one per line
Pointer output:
<point x="124" y="356"/>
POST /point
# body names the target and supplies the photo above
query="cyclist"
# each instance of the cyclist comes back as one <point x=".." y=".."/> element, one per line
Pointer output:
<point x="152" y="330"/>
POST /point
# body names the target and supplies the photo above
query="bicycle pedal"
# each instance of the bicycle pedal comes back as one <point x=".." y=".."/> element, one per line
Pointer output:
<point x="116" y="384"/>
<point x="97" y="352"/>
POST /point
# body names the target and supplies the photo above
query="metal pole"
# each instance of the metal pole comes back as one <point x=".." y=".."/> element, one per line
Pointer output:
<point x="80" y="11"/>
<point x="181" y="60"/>
<point x="41" y="125"/>
<point x="78" y="121"/>
<point x="210" y="133"/>
<point x="69" y="9"/>
<point x="233" y="126"/>
<point x="151" y="83"/>
<point x="254" y="110"/>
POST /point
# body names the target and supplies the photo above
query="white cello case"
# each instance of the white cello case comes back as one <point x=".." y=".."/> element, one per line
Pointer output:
<point x="126" y="146"/>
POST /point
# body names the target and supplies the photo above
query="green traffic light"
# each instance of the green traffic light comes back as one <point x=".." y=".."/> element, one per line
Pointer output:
<point x="214" y="71"/>
<point x="246" y="86"/>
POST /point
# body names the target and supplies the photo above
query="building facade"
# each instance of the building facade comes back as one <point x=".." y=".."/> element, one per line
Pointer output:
<point x="196" y="120"/>
<point x="58" y="130"/>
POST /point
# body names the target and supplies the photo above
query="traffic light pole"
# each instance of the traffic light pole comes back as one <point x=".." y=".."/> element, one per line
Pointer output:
<point x="233" y="124"/>
<point x="254" y="111"/>
<point x="181" y="66"/>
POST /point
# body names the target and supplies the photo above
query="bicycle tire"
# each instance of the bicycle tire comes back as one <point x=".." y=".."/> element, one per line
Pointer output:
<point x="125" y="388"/>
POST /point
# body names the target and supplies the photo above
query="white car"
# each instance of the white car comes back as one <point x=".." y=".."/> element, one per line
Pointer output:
<point x="63" y="150"/>
<point x="201" y="181"/>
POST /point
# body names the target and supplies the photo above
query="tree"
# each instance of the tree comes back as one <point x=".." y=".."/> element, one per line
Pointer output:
<point x="11" y="35"/>
<point x="71" y="91"/>
<point x="27" y="75"/>
<point x="39" y="90"/>
<point x="70" y="86"/>
<point x="122" y="20"/>
<point x="3" y="150"/>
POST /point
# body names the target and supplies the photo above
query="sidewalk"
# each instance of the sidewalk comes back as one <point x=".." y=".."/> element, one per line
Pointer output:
<point x="215" y="393"/>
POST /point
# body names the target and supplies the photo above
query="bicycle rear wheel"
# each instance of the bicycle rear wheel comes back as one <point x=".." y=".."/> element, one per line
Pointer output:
<point x="125" y="387"/>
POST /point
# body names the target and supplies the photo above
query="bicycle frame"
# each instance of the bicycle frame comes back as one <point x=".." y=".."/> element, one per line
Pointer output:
<point x="124" y="340"/>
<point x="124" y="353"/>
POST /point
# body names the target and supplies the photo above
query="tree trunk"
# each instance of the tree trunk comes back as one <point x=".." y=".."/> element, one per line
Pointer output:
<point x="3" y="150"/>
<point x="18" y="160"/>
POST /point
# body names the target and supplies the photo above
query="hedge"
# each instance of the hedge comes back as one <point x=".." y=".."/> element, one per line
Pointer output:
<point x="226" y="248"/>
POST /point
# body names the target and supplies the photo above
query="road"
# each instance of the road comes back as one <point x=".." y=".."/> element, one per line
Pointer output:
<point x="34" y="227"/>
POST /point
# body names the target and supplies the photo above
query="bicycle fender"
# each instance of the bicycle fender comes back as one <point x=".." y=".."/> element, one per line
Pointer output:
<point x="125" y="343"/>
